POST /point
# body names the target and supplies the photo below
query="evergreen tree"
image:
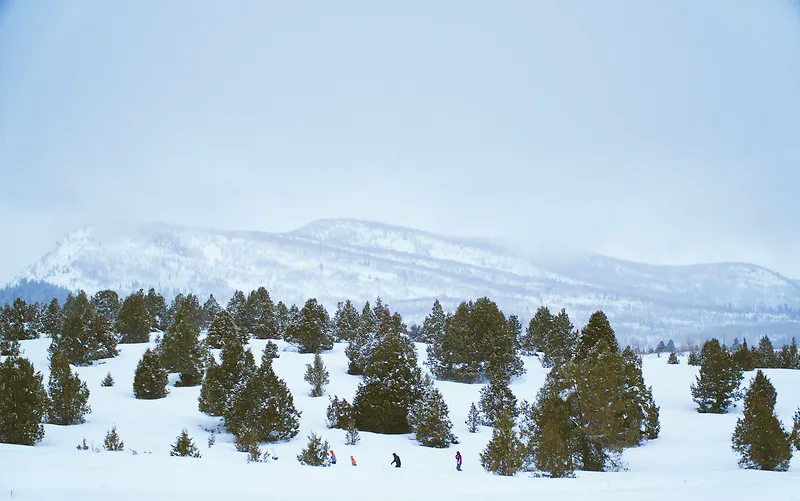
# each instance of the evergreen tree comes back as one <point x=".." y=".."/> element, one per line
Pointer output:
<point x="497" y="399"/>
<point x="473" y="421"/>
<point x="180" y="350"/>
<point x="315" y="453"/>
<point x="106" y="302"/>
<point x="21" y="321"/>
<point x="9" y="348"/>
<point x="156" y="307"/>
<point x="236" y="309"/>
<point x="596" y="337"/>
<point x="184" y="446"/>
<point x="390" y="387"/>
<point x="538" y="331"/>
<point x="259" y="315"/>
<point x="311" y="332"/>
<point x="359" y="345"/>
<point x="759" y="438"/>
<point x="743" y="358"/>
<point x="339" y="413"/>
<point x="270" y="351"/>
<point x="107" y="381"/>
<point x="351" y="437"/>
<point x="21" y="389"/>
<point x="112" y="441"/>
<point x="794" y="437"/>
<point x="220" y="381"/>
<point x="134" y="321"/>
<point x="551" y="441"/>
<point x="670" y="347"/>
<point x="767" y="359"/>
<point x="789" y="358"/>
<point x="673" y="359"/>
<point x="694" y="358"/>
<point x="504" y="454"/>
<point x="317" y="376"/>
<point x="561" y="342"/>
<point x="223" y="330"/>
<point x="717" y="384"/>
<point x="429" y="418"/>
<point x="262" y="408"/>
<point x="281" y="319"/>
<point x="52" y="319"/>
<point x="661" y="348"/>
<point x="433" y="327"/>
<point x="86" y="336"/>
<point x="210" y="310"/>
<point x="69" y="396"/>
<point x="345" y="321"/>
<point x="151" y="379"/>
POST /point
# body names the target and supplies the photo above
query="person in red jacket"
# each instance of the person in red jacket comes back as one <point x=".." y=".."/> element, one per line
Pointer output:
<point x="458" y="460"/>
<point x="352" y="460"/>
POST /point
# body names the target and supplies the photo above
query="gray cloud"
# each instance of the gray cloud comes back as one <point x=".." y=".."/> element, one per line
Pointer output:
<point x="656" y="131"/>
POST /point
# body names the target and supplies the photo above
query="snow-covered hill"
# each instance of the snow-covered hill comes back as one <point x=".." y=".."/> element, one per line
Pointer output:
<point x="336" y="259"/>
<point x="691" y="460"/>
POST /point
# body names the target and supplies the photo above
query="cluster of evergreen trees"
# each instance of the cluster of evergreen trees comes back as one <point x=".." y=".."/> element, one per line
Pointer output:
<point x="763" y="356"/>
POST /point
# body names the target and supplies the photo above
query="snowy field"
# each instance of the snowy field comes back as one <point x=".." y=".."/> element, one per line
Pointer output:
<point x="691" y="459"/>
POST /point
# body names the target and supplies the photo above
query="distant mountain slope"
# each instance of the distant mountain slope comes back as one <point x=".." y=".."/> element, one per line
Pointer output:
<point x="336" y="259"/>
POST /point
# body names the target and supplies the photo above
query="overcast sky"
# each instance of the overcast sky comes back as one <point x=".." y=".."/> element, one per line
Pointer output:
<point x="661" y="131"/>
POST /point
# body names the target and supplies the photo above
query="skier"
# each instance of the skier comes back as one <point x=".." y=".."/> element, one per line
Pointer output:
<point x="458" y="460"/>
<point x="352" y="460"/>
<point x="333" y="457"/>
<point x="396" y="460"/>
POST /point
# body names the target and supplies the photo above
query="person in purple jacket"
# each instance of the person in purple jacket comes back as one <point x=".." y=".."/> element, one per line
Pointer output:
<point x="458" y="460"/>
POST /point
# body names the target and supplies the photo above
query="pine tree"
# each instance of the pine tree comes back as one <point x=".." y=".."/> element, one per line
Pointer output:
<point x="339" y="413"/>
<point x="759" y="438"/>
<point x="112" y="441"/>
<point x="504" y="454"/>
<point x="236" y="309"/>
<point x="315" y="453"/>
<point x="106" y="302"/>
<point x="311" y="332"/>
<point x="743" y="358"/>
<point x="180" y="350"/>
<point x="433" y="326"/>
<point x="596" y="337"/>
<point x="538" y="331"/>
<point x="673" y="359"/>
<point x="156" y="307"/>
<point x="351" y="437"/>
<point x="661" y="348"/>
<point x="52" y="319"/>
<point x="86" y="335"/>
<point x="788" y="357"/>
<point x="317" y="376"/>
<point x="473" y="421"/>
<point x="107" y="381"/>
<point x="69" y="396"/>
<point x="281" y="318"/>
<point x="390" y="387"/>
<point x="22" y="321"/>
<point x="270" y="351"/>
<point x="429" y="418"/>
<point x="262" y="408"/>
<point x="236" y="366"/>
<point x="210" y="310"/>
<point x="21" y="389"/>
<point x="551" y="441"/>
<point x="794" y="437"/>
<point x="345" y="321"/>
<point x="151" y="379"/>
<point x="561" y="342"/>
<point x="223" y="330"/>
<point x="716" y="385"/>
<point x="184" y="446"/>
<point x="359" y="345"/>
<point x="694" y="358"/>
<point x="497" y="399"/>
<point x="767" y="358"/>
<point x="134" y="321"/>
<point x="260" y="315"/>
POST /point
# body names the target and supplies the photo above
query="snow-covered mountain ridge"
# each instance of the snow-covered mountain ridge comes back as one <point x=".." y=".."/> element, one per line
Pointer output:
<point x="334" y="259"/>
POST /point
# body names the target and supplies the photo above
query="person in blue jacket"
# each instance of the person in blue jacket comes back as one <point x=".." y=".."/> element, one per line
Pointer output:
<point x="396" y="460"/>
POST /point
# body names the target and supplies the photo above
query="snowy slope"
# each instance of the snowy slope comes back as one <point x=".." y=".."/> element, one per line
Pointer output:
<point x="691" y="460"/>
<point x="336" y="259"/>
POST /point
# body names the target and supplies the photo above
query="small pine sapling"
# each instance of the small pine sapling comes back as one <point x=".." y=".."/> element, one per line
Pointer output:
<point x="112" y="441"/>
<point x="83" y="446"/>
<point x="473" y="419"/>
<point x="673" y="359"/>
<point x="317" y="376"/>
<point x="351" y="437"/>
<point x="212" y="438"/>
<point x="315" y="453"/>
<point x="107" y="381"/>
<point x="184" y="446"/>
<point x="339" y="413"/>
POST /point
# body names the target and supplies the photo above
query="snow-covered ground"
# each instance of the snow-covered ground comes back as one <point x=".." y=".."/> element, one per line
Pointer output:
<point x="691" y="459"/>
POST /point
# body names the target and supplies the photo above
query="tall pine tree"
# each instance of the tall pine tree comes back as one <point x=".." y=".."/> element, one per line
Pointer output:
<point x="69" y="396"/>
<point x="716" y="386"/>
<point x="312" y="331"/>
<point x="21" y="389"/>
